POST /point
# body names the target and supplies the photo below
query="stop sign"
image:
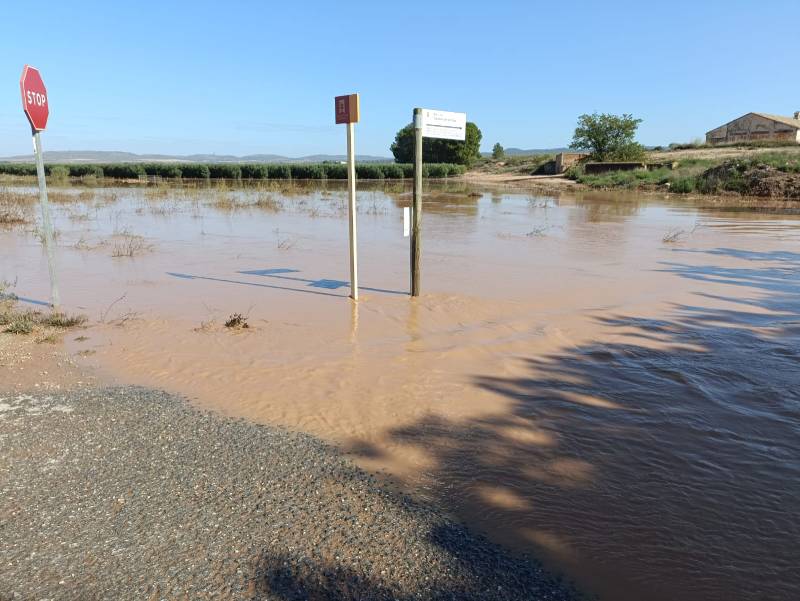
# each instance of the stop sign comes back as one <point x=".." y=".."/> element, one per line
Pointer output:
<point x="34" y="97"/>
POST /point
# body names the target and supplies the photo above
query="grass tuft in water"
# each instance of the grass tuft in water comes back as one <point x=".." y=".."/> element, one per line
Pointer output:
<point x="237" y="321"/>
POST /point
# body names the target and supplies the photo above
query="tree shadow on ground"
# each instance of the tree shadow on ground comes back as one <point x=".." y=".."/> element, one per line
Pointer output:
<point x="285" y="577"/>
<point x="663" y="464"/>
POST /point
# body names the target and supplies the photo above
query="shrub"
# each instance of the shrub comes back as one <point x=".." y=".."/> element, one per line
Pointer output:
<point x="369" y="171"/>
<point x="59" y="172"/>
<point x="225" y="171"/>
<point x="237" y="321"/>
<point x="162" y="169"/>
<point x="392" y="171"/>
<point x="683" y="185"/>
<point x="17" y="168"/>
<point x="307" y="171"/>
<point x="780" y="161"/>
<point x="438" y="170"/>
<point x="62" y="320"/>
<point x="24" y="322"/>
<point x="124" y="170"/>
<point x="335" y="171"/>
<point x="254" y="171"/>
<point x="279" y="172"/>
<point x="85" y="170"/>
<point x="195" y="170"/>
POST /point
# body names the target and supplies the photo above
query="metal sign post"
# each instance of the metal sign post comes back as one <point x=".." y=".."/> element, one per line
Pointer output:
<point x="46" y="223"/>
<point x="37" y="108"/>
<point x="347" y="111"/>
<point x="416" y="209"/>
<point x="428" y="124"/>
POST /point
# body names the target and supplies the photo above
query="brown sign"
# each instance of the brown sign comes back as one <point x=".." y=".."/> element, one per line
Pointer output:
<point x="347" y="110"/>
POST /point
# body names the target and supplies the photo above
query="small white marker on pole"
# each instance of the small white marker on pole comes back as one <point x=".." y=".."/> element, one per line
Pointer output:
<point x="347" y="111"/>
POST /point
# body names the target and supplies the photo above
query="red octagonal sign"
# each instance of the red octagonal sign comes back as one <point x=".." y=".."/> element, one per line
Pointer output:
<point x="34" y="97"/>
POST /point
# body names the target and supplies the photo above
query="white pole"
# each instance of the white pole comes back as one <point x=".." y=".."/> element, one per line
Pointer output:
<point x="46" y="223"/>
<point x="351" y="188"/>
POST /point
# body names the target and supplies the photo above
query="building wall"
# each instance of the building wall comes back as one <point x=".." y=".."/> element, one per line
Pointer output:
<point x="752" y="127"/>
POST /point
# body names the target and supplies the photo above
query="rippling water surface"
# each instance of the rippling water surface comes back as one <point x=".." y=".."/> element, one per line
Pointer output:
<point x="609" y="382"/>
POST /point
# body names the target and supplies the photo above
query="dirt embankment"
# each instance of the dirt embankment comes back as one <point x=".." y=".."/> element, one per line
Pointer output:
<point x="769" y="172"/>
<point x="764" y="181"/>
<point x="547" y="183"/>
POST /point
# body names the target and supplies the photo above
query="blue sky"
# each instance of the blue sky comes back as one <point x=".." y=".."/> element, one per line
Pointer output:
<point x="260" y="77"/>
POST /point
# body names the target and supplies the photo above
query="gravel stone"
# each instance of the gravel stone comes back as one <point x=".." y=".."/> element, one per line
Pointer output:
<point x="129" y="493"/>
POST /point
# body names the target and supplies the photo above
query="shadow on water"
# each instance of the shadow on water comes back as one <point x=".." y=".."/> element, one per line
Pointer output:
<point x="662" y="465"/>
<point x="326" y="284"/>
<point x="30" y="301"/>
<point x="280" y="274"/>
<point x="187" y="276"/>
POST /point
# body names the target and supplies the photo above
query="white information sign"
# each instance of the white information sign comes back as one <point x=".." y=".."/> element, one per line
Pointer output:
<point x="444" y="124"/>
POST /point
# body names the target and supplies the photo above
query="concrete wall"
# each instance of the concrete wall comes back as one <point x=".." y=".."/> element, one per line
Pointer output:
<point x="594" y="168"/>
<point x="750" y="128"/>
<point x="565" y="160"/>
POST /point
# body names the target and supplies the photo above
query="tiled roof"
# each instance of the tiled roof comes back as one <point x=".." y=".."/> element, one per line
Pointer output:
<point x="781" y="119"/>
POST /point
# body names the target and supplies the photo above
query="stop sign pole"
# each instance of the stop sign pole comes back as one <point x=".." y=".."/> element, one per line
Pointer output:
<point x="36" y="107"/>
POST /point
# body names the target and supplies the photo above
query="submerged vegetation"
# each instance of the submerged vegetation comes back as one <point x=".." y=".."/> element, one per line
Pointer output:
<point x="237" y="321"/>
<point x="232" y="171"/>
<point x="16" y="321"/>
<point x="15" y="208"/>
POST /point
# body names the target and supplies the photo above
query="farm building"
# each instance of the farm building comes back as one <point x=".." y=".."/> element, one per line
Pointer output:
<point x="757" y="126"/>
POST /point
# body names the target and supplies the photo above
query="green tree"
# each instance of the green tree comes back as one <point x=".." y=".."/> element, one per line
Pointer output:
<point x="498" y="152"/>
<point x="608" y="137"/>
<point x="435" y="150"/>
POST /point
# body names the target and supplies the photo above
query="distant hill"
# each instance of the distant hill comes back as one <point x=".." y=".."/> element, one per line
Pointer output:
<point x="110" y="156"/>
<point x="529" y="151"/>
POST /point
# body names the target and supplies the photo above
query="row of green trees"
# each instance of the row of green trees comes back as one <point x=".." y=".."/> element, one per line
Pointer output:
<point x="236" y="171"/>
<point x="607" y="137"/>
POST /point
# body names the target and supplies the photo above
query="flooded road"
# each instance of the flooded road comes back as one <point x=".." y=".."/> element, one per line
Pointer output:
<point x="609" y="382"/>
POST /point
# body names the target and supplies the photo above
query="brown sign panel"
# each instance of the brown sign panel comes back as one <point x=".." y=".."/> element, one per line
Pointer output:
<point x="347" y="109"/>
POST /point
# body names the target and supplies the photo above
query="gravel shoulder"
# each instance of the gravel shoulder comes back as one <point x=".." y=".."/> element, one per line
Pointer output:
<point x="128" y="493"/>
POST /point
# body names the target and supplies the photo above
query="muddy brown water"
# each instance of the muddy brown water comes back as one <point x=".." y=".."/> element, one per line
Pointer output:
<point x="607" y="381"/>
